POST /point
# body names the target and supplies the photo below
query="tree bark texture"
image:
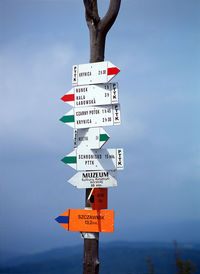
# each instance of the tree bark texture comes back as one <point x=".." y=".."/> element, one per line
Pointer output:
<point x="91" y="248"/>
<point x="91" y="256"/>
<point x="99" y="28"/>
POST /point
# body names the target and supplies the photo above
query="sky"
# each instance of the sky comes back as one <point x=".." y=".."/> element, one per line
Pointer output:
<point x="156" y="46"/>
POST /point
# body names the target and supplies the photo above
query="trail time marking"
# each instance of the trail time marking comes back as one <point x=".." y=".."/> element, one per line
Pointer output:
<point x="87" y="220"/>
<point x="96" y="159"/>
<point x="92" y="138"/>
<point x="92" y="95"/>
<point x="93" y="73"/>
<point x="88" y="117"/>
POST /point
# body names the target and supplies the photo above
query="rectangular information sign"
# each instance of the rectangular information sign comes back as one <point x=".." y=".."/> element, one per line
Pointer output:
<point x="93" y="73"/>
<point x="96" y="159"/>
<point x="92" y="95"/>
<point x="92" y="179"/>
<point x="87" y="117"/>
<point x="92" y="138"/>
<point x="99" y="198"/>
<point x="84" y="220"/>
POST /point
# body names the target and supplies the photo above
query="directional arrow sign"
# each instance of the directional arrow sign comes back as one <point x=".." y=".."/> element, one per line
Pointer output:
<point x="87" y="220"/>
<point x="92" y="138"/>
<point x="93" y="179"/>
<point x="92" y="95"/>
<point x="87" y="117"/>
<point x="96" y="159"/>
<point x="93" y="73"/>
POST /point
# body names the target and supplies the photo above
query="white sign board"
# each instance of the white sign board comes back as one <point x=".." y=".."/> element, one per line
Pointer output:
<point x="92" y="179"/>
<point x="96" y="159"/>
<point x="93" y="73"/>
<point x="87" y="117"/>
<point x="92" y="95"/>
<point x="92" y="138"/>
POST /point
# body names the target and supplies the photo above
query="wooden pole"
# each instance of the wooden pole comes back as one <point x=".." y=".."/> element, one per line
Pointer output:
<point x="91" y="247"/>
<point x="98" y="29"/>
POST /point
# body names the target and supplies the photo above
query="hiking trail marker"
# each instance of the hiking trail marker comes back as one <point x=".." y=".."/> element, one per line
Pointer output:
<point x="92" y="95"/>
<point x="87" y="220"/>
<point x="95" y="104"/>
<point x="92" y="138"/>
<point x="99" y="198"/>
<point x="96" y="159"/>
<point x="93" y="73"/>
<point x="91" y="179"/>
<point x="87" y="117"/>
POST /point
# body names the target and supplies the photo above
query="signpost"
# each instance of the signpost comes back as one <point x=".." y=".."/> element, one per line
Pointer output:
<point x="92" y="95"/>
<point x="93" y="138"/>
<point x="87" y="220"/>
<point x="91" y="179"/>
<point x="95" y="104"/>
<point x="93" y="73"/>
<point x="87" y="117"/>
<point x="96" y="159"/>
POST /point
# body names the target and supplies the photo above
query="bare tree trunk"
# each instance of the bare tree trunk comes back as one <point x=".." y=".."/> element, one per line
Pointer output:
<point x="98" y="29"/>
<point x="91" y="248"/>
<point x="97" y="46"/>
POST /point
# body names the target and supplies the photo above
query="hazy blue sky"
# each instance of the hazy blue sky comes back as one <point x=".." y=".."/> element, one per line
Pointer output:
<point x="156" y="45"/>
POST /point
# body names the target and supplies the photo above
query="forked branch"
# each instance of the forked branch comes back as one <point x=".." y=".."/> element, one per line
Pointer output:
<point x="99" y="27"/>
<point x="109" y="19"/>
<point x="91" y="11"/>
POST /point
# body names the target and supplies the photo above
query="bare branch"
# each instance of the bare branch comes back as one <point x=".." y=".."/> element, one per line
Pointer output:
<point x="109" y="19"/>
<point x="99" y="28"/>
<point x="91" y="11"/>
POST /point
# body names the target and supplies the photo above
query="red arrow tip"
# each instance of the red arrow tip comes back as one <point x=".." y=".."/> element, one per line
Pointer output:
<point x="68" y="97"/>
<point x="113" y="71"/>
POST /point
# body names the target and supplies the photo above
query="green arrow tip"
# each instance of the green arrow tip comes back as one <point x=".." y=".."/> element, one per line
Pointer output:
<point x="69" y="160"/>
<point x="103" y="137"/>
<point x="67" y="119"/>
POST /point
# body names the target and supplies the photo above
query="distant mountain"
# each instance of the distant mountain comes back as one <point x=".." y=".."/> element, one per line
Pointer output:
<point x="7" y="256"/>
<point x="185" y="231"/>
<point x="115" y="258"/>
<point x="54" y="254"/>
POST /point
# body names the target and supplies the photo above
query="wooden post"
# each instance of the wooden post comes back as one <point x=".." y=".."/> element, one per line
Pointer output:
<point x="91" y="248"/>
<point x="98" y="29"/>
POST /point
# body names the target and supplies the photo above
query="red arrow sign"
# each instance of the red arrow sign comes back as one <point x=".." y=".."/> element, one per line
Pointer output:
<point x="112" y="71"/>
<point x="68" y="97"/>
<point x="93" y="73"/>
<point x="93" y="95"/>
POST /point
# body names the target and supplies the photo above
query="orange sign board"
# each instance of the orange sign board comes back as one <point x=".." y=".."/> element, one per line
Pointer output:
<point x="85" y="220"/>
<point x="99" y="198"/>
